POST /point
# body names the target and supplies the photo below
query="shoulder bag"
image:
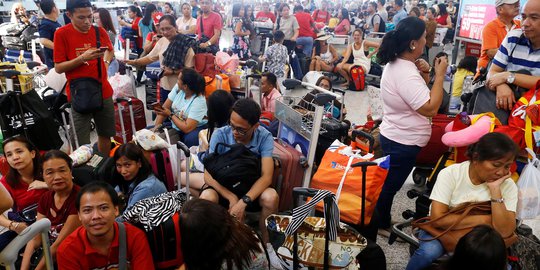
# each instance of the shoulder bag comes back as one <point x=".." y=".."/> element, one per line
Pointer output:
<point x="86" y="92"/>
<point x="237" y="169"/>
<point x="212" y="49"/>
<point x="450" y="236"/>
<point x="122" y="246"/>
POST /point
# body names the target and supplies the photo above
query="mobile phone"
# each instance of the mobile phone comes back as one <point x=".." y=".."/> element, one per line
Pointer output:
<point x="157" y="106"/>
<point x="161" y="74"/>
<point x="103" y="49"/>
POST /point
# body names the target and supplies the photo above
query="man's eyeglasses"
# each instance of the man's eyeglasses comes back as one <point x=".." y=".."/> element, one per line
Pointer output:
<point x="241" y="131"/>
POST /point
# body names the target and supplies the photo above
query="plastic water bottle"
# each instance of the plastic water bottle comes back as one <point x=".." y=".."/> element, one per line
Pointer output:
<point x="464" y="118"/>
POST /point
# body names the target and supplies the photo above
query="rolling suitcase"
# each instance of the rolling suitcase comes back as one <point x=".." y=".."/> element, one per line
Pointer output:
<point x="164" y="242"/>
<point x="162" y="167"/>
<point x="288" y="172"/>
<point x="358" y="78"/>
<point x="132" y="117"/>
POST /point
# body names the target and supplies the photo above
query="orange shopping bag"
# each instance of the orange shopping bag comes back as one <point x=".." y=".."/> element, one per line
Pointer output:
<point x="218" y="82"/>
<point x="335" y="170"/>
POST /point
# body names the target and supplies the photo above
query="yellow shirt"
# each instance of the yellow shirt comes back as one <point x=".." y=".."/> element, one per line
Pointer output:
<point x="457" y="85"/>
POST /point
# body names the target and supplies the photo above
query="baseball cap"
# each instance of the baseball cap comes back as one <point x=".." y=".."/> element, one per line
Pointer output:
<point x="502" y="2"/>
<point x="72" y="4"/>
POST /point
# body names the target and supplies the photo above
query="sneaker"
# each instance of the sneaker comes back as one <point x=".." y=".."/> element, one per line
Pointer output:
<point x="275" y="262"/>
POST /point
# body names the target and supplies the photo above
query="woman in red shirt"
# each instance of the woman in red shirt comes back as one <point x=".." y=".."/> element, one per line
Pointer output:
<point x="135" y="15"/>
<point x="57" y="204"/>
<point x="24" y="184"/>
<point x="443" y="20"/>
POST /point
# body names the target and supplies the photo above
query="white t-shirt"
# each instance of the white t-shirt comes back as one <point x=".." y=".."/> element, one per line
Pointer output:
<point x="184" y="26"/>
<point x="454" y="187"/>
<point x="404" y="91"/>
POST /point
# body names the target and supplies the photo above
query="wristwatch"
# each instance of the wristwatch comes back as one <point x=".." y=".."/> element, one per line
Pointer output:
<point x="209" y="43"/>
<point x="107" y="62"/>
<point x="511" y="78"/>
<point x="246" y="199"/>
<point x="501" y="200"/>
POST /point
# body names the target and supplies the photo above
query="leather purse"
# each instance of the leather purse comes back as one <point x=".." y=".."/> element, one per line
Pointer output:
<point x="205" y="64"/>
<point x="450" y="236"/>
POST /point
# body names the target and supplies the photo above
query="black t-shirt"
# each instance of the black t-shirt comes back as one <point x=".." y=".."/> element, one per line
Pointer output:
<point x="46" y="30"/>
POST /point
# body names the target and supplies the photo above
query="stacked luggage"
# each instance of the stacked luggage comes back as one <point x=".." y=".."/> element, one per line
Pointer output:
<point x="17" y="36"/>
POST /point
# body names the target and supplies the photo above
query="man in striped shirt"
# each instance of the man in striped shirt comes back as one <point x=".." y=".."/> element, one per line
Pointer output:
<point x="520" y="50"/>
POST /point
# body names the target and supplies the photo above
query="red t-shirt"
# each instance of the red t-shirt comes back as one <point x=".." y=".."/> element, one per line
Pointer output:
<point x="305" y="21"/>
<point x="442" y="19"/>
<point x="76" y="253"/>
<point x="70" y="43"/>
<point x="213" y="21"/>
<point x="321" y="16"/>
<point x="269" y="15"/>
<point x="57" y="216"/>
<point x="135" y="27"/>
<point x="22" y="197"/>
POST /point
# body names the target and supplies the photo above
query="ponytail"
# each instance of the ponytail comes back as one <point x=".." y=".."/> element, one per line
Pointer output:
<point x="397" y="41"/>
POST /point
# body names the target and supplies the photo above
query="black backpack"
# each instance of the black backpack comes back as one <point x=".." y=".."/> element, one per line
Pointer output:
<point x="237" y="169"/>
<point x="382" y="24"/>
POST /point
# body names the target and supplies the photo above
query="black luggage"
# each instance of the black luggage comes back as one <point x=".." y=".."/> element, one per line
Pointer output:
<point x="331" y="129"/>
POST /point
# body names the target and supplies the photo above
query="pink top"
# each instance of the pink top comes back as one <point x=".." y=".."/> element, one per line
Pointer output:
<point x="269" y="101"/>
<point x="403" y="92"/>
<point x="340" y="28"/>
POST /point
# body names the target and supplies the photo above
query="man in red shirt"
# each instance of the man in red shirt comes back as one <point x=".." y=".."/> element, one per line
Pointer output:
<point x="211" y="26"/>
<point x="95" y="245"/>
<point x="265" y="13"/>
<point x="76" y="54"/>
<point x="322" y="15"/>
<point x="307" y="29"/>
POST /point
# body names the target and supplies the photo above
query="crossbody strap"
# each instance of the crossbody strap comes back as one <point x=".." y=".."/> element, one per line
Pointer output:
<point x="122" y="249"/>
<point x="202" y="28"/>
<point x="98" y="44"/>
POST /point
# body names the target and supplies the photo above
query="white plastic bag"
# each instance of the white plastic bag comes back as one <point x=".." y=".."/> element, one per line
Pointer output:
<point x="529" y="189"/>
<point x="121" y="85"/>
<point x="375" y="102"/>
<point x="82" y="155"/>
<point x="149" y="140"/>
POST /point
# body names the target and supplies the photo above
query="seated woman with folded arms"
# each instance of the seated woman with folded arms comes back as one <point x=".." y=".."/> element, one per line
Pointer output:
<point x="485" y="177"/>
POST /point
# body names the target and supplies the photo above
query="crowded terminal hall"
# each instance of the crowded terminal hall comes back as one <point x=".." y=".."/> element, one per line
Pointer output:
<point x="270" y="134"/>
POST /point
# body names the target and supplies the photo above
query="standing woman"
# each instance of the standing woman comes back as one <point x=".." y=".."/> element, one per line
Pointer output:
<point x="408" y="106"/>
<point x="431" y="28"/>
<point x="241" y="34"/>
<point x="355" y="56"/>
<point x="57" y="205"/>
<point x="23" y="182"/>
<point x="103" y="19"/>
<point x="249" y="18"/>
<point x="344" y="25"/>
<point x="167" y="28"/>
<point x="146" y="24"/>
<point x="186" y="24"/>
<point x="288" y="25"/>
<point x="135" y="16"/>
<point x="444" y="19"/>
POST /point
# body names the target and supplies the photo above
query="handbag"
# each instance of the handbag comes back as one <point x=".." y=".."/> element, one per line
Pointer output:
<point x="304" y="238"/>
<point x="237" y="169"/>
<point x="86" y="92"/>
<point x="450" y="236"/>
<point x="28" y="215"/>
<point x="212" y="49"/>
<point x="205" y="64"/>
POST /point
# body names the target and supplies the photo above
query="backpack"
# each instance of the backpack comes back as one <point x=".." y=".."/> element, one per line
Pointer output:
<point x="382" y="24"/>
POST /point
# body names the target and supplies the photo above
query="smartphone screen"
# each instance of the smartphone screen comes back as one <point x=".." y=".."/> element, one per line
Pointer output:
<point x="157" y="106"/>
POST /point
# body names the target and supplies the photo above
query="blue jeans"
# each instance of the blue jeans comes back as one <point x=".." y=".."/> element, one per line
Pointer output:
<point x="191" y="138"/>
<point x="426" y="254"/>
<point x="402" y="160"/>
<point x="307" y="43"/>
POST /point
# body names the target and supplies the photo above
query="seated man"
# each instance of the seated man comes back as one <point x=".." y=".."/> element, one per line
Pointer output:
<point x="519" y="51"/>
<point x="244" y="128"/>
<point x="95" y="245"/>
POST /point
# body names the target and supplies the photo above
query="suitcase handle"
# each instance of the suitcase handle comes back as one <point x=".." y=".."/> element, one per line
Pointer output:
<point x="180" y="145"/>
<point x="120" y="99"/>
<point x="65" y="106"/>
<point x="304" y="191"/>
<point x="363" y="134"/>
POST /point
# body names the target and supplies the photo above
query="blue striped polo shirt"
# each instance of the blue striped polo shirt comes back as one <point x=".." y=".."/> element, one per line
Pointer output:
<point x="516" y="53"/>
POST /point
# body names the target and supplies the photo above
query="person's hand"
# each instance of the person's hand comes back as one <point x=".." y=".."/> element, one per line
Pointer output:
<point x="293" y="39"/>
<point x="496" y="184"/>
<point x="92" y="53"/>
<point x="203" y="45"/>
<point x="422" y="65"/>
<point x="505" y="97"/>
<point x="163" y="112"/>
<point x="167" y="71"/>
<point x="238" y="210"/>
<point x="441" y="64"/>
<point x="155" y="38"/>
<point x="495" y="80"/>
<point x="119" y="18"/>
<point x="37" y="185"/>
<point x="18" y="227"/>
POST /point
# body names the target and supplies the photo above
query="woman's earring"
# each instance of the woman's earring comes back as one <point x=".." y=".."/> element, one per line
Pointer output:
<point x="412" y="48"/>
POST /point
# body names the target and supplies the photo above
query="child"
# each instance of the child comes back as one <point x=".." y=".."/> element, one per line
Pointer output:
<point x="276" y="57"/>
<point x="466" y="67"/>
